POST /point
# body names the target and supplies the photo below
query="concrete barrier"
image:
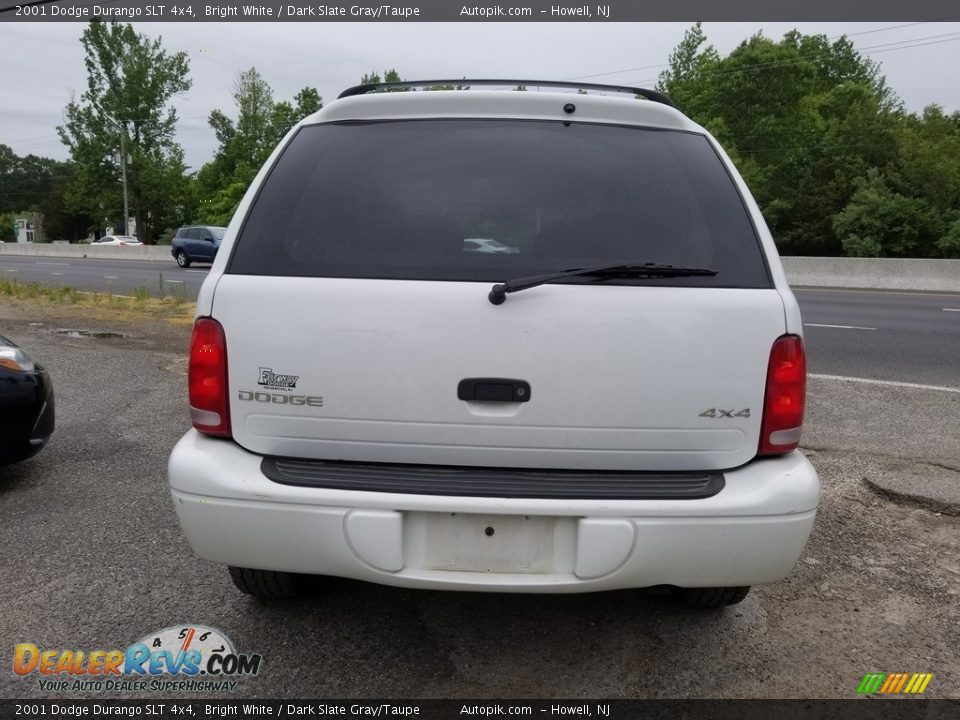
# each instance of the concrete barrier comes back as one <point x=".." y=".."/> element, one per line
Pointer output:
<point x="875" y="273"/>
<point x="155" y="253"/>
<point x="866" y="273"/>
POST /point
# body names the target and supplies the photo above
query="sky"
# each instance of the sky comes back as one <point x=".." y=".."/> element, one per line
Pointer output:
<point x="43" y="62"/>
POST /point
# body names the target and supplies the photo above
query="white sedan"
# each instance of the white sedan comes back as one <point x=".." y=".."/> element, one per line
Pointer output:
<point x="117" y="240"/>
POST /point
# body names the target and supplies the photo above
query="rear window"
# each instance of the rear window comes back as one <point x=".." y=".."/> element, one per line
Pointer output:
<point x="488" y="200"/>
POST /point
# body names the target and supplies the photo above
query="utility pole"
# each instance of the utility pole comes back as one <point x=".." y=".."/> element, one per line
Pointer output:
<point x="123" y="169"/>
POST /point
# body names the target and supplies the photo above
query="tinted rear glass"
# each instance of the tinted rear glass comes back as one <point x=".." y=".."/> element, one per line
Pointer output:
<point x="488" y="200"/>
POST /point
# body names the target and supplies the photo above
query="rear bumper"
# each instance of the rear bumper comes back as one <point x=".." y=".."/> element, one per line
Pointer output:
<point x="751" y="532"/>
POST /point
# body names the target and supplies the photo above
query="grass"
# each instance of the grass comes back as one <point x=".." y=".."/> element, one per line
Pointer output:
<point x="173" y="307"/>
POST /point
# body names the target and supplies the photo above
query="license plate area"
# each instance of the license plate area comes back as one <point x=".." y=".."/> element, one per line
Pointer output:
<point x="465" y="542"/>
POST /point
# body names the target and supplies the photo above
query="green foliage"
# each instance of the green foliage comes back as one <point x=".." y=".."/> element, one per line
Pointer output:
<point x="928" y="157"/>
<point x="7" y="231"/>
<point x="219" y="208"/>
<point x="245" y="143"/>
<point x="949" y="243"/>
<point x="910" y="208"/>
<point x="130" y="82"/>
<point x="391" y="75"/>
<point x="26" y="181"/>
<point x="458" y="86"/>
<point x="835" y="163"/>
<point x="60" y="220"/>
<point x="802" y="118"/>
<point x="39" y="184"/>
<point x="878" y="222"/>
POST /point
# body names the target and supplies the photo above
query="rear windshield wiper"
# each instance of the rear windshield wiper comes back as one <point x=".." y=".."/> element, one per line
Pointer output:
<point x="498" y="293"/>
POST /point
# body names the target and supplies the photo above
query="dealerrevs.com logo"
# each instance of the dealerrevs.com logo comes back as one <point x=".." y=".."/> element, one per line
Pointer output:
<point x="193" y="658"/>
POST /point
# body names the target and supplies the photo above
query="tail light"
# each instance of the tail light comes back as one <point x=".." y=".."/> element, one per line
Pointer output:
<point x="207" y="379"/>
<point x="785" y="397"/>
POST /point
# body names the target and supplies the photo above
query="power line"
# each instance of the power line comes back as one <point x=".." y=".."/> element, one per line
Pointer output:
<point x="872" y="50"/>
<point x="834" y="37"/>
<point x="937" y="42"/>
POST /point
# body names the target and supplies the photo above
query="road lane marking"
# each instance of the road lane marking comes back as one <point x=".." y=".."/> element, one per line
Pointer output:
<point x="109" y="277"/>
<point x="56" y="273"/>
<point x="842" y="327"/>
<point x="951" y="309"/>
<point x="878" y="291"/>
<point x="888" y="383"/>
<point x="178" y="282"/>
<point x="53" y="263"/>
<point x="199" y="271"/>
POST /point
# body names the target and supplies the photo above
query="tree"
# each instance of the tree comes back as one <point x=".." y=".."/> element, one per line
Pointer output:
<point x="389" y="76"/>
<point x="39" y="184"/>
<point x="949" y="243"/>
<point x="246" y="143"/>
<point x="447" y="86"/>
<point x="878" y="222"/>
<point x="7" y="227"/>
<point x="928" y="158"/>
<point x="687" y="78"/>
<point x="802" y="118"/>
<point x="131" y="80"/>
<point x="373" y="78"/>
<point x="59" y="221"/>
<point x="26" y="181"/>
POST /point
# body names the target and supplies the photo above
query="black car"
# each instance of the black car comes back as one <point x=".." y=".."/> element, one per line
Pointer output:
<point x="26" y="404"/>
<point x="196" y="243"/>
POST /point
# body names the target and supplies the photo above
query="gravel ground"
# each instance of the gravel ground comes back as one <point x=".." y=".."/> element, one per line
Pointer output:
<point x="95" y="560"/>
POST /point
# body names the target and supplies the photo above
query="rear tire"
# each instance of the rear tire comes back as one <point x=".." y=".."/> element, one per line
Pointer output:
<point x="182" y="259"/>
<point x="709" y="598"/>
<point x="265" y="584"/>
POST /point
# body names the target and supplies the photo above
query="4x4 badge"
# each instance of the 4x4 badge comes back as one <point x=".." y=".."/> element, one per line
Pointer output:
<point x="720" y="413"/>
<point x="275" y="381"/>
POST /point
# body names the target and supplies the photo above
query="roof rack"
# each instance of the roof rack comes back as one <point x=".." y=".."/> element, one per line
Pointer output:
<point x="569" y="84"/>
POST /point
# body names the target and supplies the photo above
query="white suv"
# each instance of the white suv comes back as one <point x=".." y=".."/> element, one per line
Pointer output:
<point x="615" y="403"/>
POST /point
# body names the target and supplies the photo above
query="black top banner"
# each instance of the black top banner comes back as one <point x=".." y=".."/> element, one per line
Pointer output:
<point x="471" y="11"/>
<point x="161" y="709"/>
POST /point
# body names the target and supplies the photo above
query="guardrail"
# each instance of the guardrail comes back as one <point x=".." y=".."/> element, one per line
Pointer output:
<point x="864" y="273"/>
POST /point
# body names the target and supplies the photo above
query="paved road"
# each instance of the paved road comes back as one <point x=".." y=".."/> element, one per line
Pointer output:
<point x="116" y="276"/>
<point x="890" y="336"/>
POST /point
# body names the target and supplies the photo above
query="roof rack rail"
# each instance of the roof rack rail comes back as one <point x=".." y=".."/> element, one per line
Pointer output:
<point x="570" y="84"/>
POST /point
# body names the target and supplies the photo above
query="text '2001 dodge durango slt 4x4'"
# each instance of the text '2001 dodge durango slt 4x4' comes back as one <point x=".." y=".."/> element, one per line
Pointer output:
<point x="498" y="341"/>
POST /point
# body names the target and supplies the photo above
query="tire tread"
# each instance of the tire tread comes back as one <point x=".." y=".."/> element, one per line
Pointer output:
<point x="265" y="584"/>
<point x="710" y="598"/>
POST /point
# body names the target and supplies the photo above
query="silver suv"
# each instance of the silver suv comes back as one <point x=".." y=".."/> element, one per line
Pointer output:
<point x="498" y="341"/>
